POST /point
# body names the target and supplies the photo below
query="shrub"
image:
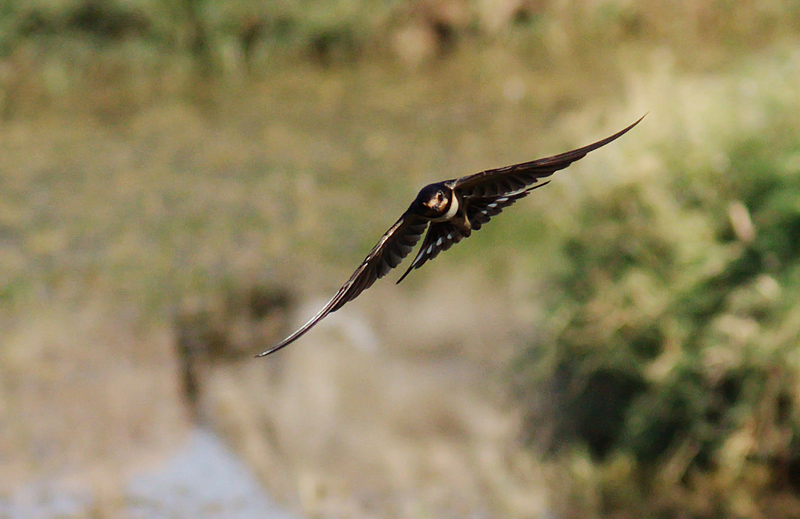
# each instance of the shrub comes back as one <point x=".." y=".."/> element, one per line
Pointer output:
<point x="673" y="330"/>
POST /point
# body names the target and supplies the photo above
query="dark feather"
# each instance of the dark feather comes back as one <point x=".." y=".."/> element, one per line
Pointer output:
<point x="496" y="182"/>
<point x="441" y="236"/>
<point x="395" y="245"/>
<point x="481" y="210"/>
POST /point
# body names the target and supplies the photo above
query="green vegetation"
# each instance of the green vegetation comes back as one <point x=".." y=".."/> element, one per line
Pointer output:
<point x="674" y="333"/>
<point x="164" y="38"/>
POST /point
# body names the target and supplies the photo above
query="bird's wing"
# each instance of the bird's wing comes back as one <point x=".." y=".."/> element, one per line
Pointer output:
<point x="480" y="210"/>
<point x="510" y="179"/>
<point x="390" y="250"/>
<point x="442" y="236"/>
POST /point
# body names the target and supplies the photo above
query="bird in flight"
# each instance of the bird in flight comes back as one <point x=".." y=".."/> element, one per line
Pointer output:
<point x="450" y="210"/>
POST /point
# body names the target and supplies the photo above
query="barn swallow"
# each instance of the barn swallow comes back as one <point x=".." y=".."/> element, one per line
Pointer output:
<point x="450" y="210"/>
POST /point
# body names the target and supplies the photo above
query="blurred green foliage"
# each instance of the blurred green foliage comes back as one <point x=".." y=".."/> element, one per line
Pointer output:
<point x="227" y="34"/>
<point x="674" y="338"/>
<point x="206" y="29"/>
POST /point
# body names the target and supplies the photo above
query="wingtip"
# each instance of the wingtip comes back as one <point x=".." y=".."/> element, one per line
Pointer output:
<point x="614" y="137"/>
<point x="407" y="272"/>
<point x="639" y="120"/>
<point x="629" y="127"/>
<point x="275" y="348"/>
<point x="264" y="353"/>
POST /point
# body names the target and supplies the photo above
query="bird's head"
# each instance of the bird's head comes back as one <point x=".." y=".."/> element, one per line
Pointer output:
<point x="435" y="200"/>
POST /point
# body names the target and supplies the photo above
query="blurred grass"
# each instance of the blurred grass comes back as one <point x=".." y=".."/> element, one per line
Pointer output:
<point x="134" y="49"/>
<point x="156" y="152"/>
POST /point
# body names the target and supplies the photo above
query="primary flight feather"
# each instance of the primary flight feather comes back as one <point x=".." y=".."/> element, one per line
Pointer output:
<point x="450" y="211"/>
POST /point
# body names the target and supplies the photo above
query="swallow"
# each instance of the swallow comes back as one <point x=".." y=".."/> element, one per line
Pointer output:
<point x="450" y="211"/>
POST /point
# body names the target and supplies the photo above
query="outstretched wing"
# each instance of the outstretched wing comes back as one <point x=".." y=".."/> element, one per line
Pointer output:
<point x="395" y="245"/>
<point x="510" y="179"/>
<point x="442" y="236"/>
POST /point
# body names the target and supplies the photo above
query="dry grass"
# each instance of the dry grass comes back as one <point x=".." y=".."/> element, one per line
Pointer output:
<point x="176" y="203"/>
<point x="181" y="200"/>
<point x="79" y="393"/>
<point x="390" y="420"/>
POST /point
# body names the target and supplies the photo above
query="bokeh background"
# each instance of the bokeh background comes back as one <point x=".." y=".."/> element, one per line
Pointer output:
<point x="183" y="181"/>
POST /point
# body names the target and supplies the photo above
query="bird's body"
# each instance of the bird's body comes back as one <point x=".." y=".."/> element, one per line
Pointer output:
<point x="450" y="211"/>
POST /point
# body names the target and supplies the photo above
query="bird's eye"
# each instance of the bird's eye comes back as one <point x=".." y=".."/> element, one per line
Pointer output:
<point x="440" y="195"/>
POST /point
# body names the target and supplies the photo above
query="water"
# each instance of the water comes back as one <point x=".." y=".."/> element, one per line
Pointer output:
<point x="203" y="480"/>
